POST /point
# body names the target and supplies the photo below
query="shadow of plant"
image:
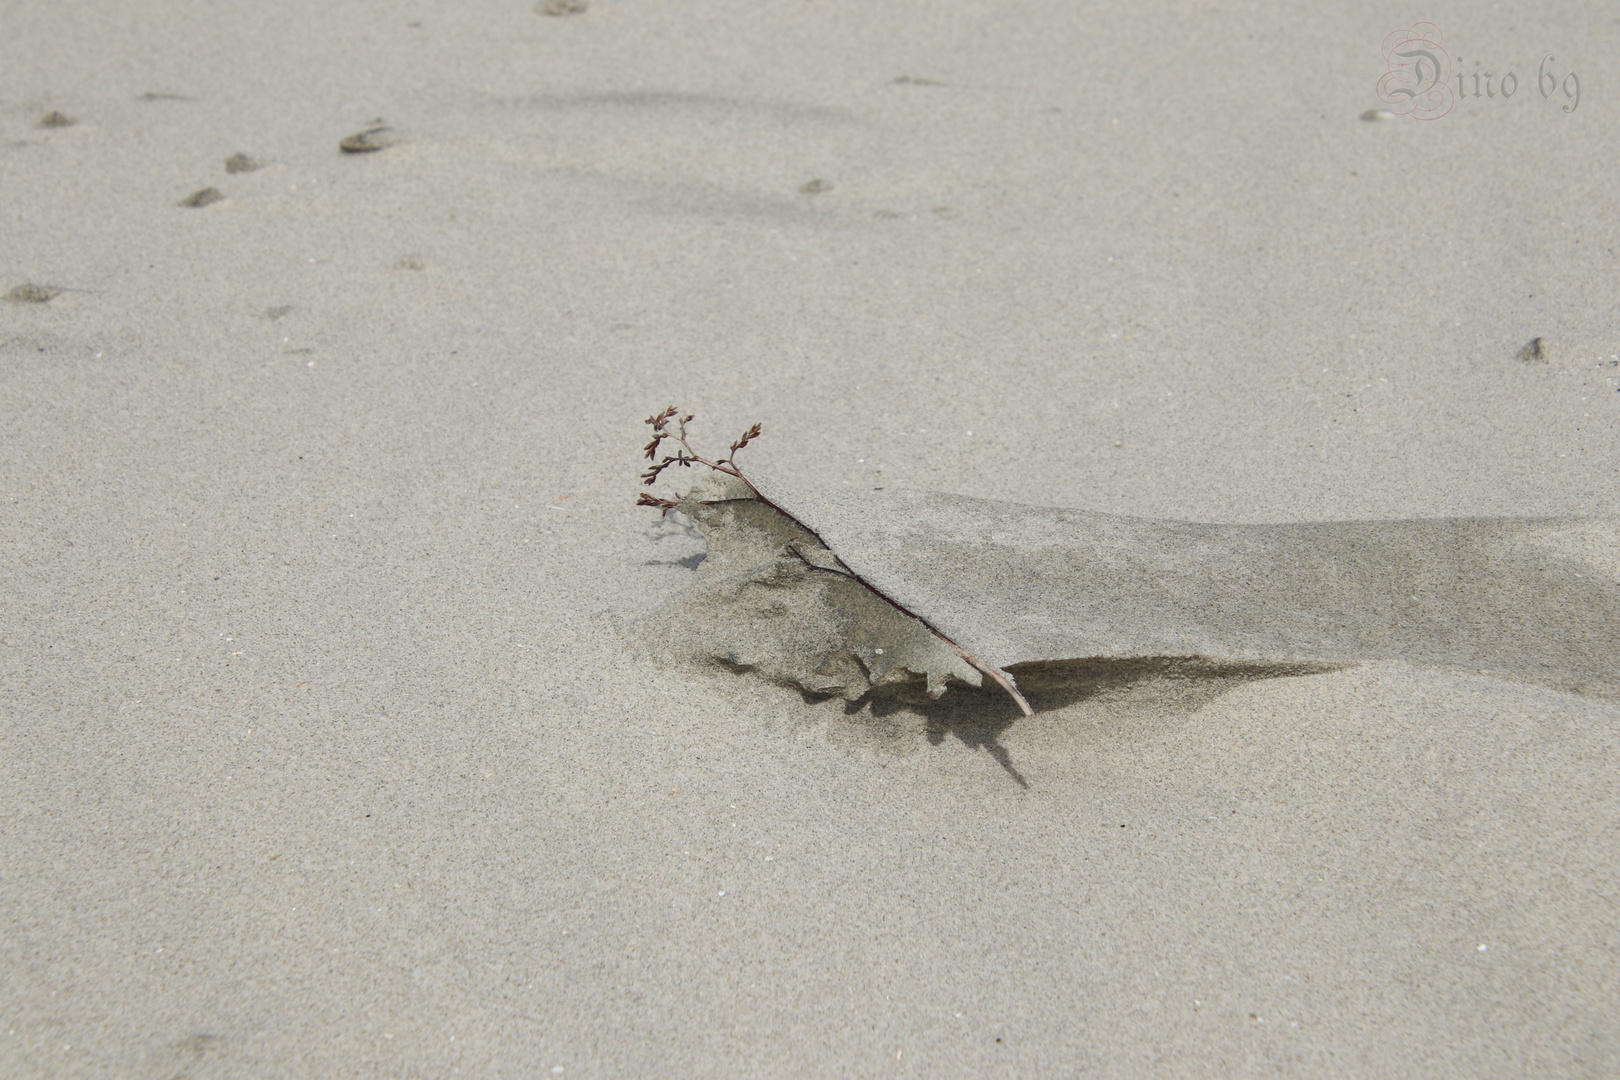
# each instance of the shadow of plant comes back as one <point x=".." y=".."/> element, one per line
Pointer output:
<point x="977" y="716"/>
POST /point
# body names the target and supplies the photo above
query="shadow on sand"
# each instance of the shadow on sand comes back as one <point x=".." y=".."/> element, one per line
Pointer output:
<point x="976" y="716"/>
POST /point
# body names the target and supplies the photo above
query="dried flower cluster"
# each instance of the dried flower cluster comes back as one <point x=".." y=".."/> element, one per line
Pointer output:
<point x="686" y="457"/>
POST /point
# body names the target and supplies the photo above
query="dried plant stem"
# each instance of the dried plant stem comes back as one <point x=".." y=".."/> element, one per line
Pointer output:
<point x="686" y="457"/>
<point x="1002" y="679"/>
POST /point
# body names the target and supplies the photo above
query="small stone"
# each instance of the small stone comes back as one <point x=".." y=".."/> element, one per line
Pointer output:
<point x="202" y="197"/>
<point x="562" y="7"/>
<point x="54" y="119"/>
<point x="1373" y="115"/>
<point x="815" y="187"/>
<point x="369" y="141"/>
<point x="29" y="293"/>
<point x="242" y="163"/>
<point x="1535" y="350"/>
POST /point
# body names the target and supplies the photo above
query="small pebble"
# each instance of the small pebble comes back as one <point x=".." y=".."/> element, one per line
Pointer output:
<point x="369" y="141"/>
<point x="202" y="197"/>
<point x="1377" y="114"/>
<point x="1535" y="350"/>
<point x="56" y="119"/>
<point x="29" y="293"/>
<point x="815" y="187"/>
<point x="242" y="163"/>
<point x="562" y="7"/>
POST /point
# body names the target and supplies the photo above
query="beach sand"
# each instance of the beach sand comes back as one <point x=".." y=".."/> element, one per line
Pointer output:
<point x="326" y="743"/>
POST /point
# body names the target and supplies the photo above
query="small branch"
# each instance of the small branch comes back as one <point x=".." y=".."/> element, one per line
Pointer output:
<point x="686" y="457"/>
<point x="653" y="500"/>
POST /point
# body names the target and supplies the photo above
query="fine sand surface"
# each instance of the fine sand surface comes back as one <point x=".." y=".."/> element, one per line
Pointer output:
<point x="327" y="745"/>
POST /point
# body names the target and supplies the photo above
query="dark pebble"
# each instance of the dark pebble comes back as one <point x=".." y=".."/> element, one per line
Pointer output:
<point x="370" y="140"/>
<point x="1535" y="350"/>
<point x="202" y="197"/>
<point x="29" y="293"/>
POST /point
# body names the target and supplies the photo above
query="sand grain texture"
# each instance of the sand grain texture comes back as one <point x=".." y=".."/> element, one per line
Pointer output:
<point x="326" y="747"/>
